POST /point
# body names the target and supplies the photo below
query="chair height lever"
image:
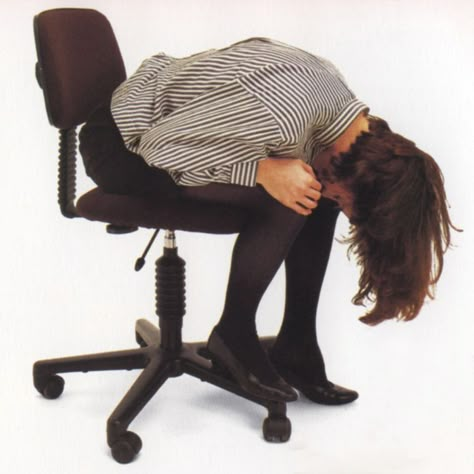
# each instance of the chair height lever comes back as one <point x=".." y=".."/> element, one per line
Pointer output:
<point x="140" y="262"/>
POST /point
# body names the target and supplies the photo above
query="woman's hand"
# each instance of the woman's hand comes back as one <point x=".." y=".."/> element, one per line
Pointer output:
<point x="290" y="181"/>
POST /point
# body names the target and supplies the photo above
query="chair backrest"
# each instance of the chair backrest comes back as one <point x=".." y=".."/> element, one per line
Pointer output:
<point x="79" y="63"/>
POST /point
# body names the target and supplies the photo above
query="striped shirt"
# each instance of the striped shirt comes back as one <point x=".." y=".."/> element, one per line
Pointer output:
<point x="212" y="116"/>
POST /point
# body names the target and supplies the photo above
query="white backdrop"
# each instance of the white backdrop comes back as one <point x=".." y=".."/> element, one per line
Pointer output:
<point x="67" y="287"/>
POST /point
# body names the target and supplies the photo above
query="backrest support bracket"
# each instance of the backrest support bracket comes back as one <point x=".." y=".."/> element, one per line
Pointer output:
<point x="67" y="172"/>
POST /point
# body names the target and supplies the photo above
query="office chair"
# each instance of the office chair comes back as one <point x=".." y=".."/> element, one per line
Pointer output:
<point x="79" y="65"/>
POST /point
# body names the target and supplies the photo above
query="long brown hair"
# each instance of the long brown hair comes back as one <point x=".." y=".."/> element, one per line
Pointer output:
<point x="400" y="223"/>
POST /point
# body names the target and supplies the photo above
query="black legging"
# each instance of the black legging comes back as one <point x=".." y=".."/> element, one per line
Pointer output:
<point x="272" y="234"/>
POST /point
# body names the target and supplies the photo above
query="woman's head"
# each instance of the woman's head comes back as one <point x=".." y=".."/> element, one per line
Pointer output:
<point x="400" y="222"/>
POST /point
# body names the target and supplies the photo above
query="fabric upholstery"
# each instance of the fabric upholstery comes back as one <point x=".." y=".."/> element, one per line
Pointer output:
<point x="80" y="63"/>
<point x="149" y="212"/>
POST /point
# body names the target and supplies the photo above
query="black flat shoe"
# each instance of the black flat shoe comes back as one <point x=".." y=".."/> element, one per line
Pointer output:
<point x="278" y="391"/>
<point x="324" y="393"/>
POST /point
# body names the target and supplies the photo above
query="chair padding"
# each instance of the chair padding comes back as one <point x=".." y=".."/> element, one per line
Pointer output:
<point x="80" y="64"/>
<point x="154" y="213"/>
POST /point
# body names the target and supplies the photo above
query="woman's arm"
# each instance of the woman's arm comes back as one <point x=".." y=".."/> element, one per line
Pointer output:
<point x="218" y="137"/>
<point x="290" y="181"/>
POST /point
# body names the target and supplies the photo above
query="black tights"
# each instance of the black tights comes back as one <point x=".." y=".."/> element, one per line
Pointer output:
<point x="272" y="234"/>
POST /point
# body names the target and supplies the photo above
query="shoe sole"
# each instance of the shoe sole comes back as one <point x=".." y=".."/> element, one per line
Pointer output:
<point x="307" y="391"/>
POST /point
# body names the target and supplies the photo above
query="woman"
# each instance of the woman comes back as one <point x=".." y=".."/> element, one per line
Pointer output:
<point x="275" y="130"/>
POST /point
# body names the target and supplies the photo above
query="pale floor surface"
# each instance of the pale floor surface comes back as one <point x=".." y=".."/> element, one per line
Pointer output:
<point x="415" y="380"/>
<point x="405" y="422"/>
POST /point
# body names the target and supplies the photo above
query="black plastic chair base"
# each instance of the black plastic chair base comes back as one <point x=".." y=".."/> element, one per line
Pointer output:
<point x="157" y="364"/>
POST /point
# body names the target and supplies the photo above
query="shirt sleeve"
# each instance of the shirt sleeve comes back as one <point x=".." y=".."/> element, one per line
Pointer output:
<point x="217" y="137"/>
<point x="312" y="104"/>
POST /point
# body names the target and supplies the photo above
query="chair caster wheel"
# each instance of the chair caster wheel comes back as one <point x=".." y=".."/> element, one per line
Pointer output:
<point x="51" y="387"/>
<point x="126" y="447"/>
<point x="276" y="429"/>
<point x="139" y="340"/>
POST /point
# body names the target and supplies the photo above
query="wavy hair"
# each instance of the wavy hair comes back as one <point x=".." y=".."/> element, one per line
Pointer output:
<point x="400" y="227"/>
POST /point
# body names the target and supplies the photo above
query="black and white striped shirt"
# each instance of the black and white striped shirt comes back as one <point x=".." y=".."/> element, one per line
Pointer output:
<point x="212" y="116"/>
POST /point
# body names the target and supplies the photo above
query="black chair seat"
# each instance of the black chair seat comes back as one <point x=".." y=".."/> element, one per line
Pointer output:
<point x="156" y="212"/>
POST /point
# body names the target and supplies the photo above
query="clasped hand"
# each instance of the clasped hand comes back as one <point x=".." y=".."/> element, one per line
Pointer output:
<point x="290" y="181"/>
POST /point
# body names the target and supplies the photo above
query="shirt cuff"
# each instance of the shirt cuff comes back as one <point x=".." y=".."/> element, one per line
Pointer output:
<point x="244" y="174"/>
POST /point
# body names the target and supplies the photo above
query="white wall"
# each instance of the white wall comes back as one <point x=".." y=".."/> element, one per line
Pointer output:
<point x="65" y="283"/>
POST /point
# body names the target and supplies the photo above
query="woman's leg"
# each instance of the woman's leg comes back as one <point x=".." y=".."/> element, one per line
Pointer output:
<point x="271" y="234"/>
<point x="296" y="346"/>
<point x="296" y="354"/>
<point x="259" y="250"/>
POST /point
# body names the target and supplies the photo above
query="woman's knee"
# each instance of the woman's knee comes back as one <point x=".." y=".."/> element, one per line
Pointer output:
<point x="281" y="219"/>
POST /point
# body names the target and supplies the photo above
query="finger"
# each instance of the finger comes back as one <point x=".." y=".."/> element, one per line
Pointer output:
<point x="313" y="194"/>
<point x="295" y="207"/>
<point x="301" y="209"/>
<point x="315" y="184"/>
<point x="308" y="203"/>
<point x="309" y="169"/>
